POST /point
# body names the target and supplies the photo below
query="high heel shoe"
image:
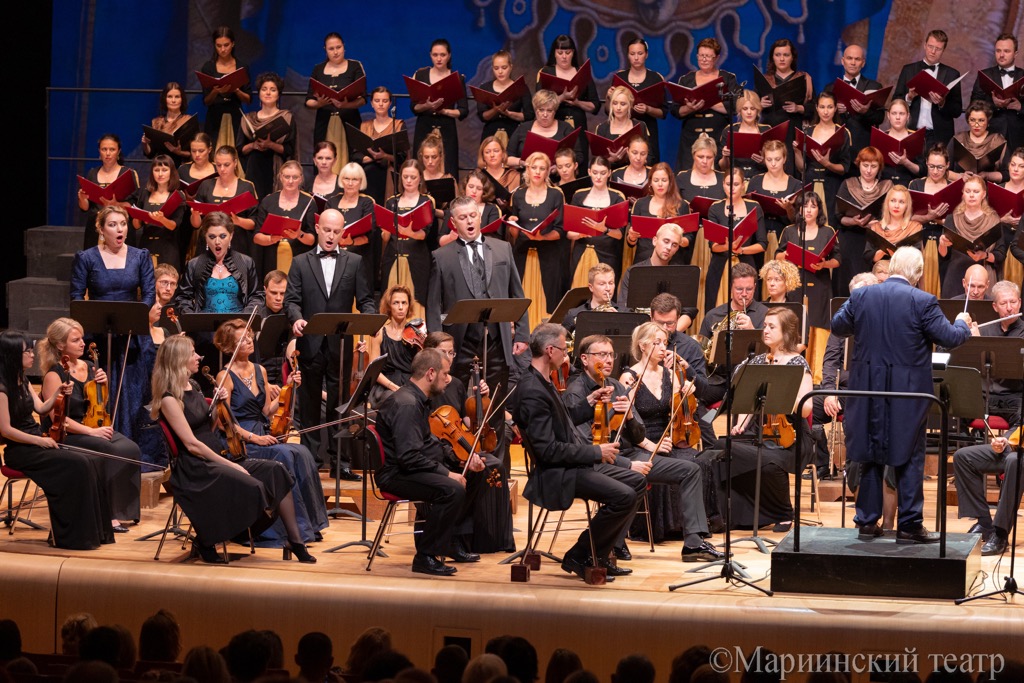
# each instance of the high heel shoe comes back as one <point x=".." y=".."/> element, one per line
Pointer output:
<point x="301" y="554"/>
<point x="207" y="553"/>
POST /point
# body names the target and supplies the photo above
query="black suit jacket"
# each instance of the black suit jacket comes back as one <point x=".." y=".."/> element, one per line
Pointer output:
<point x="860" y="125"/>
<point x="1006" y="122"/>
<point x="942" y="117"/>
<point x="451" y="278"/>
<point x="307" y="295"/>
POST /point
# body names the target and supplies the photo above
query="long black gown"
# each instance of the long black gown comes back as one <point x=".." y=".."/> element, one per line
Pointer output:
<point x="76" y="492"/>
<point x="337" y="82"/>
<point x="501" y="122"/>
<point x="445" y="125"/>
<point x="241" y="240"/>
<point x="575" y="116"/>
<point x="717" y="262"/>
<point x="304" y="211"/>
<point x="417" y="251"/>
<point x="652" y="78"/>
<point x="706" y="121"/>
<point x="224" y="104"/>
<point x="689" y="191"/>
<point x="370" y="256"/>
<point x="261" y="167"/>
<point x="819" y="285"/>
<point x="220" y="501"/>
<point x="609" y="249"/>
<point x="553" y="271"/>
<point x="166" y="244"/>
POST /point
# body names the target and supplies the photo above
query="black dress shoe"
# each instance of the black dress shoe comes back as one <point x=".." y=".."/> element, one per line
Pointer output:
<point x="782" y="527"/>
<point x="120" y="529"/>
<point x="919" y="535"/>
<point x="348" y="475"/>
<point x="462" y="556"/>
<point x="428" y="564"/>
<point x="571" y="565"/>
<point x="995" y="545"/>
<point x="615" y="570"/>
<point x="985" y="531"/>
<point x="207" y="553"/>
<point x="705" y="552"/>
<point x="622" y="553"/>
<point x="867" y="532"/>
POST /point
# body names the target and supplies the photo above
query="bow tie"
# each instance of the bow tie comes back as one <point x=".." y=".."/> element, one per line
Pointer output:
<point x="1006" y="72"/>
<point x="328" y="254"/>
<point x="850" y="81"/>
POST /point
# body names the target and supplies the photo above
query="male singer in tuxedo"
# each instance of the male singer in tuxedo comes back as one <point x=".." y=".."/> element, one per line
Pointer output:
<point x="936" y="114"/>
<point x="324" y="280"/>
<point x="1008" y="114"/>
<point x="860" y="120"/>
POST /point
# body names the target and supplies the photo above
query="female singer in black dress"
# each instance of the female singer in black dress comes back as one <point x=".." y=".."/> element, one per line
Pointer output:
<point x="291" y="202"/>
<point x="826" y="171"/>
<point x="936" y="165"/>
<point x="354" y="205"/>
<point x="253" y="401"/>
<point x="864" y="188"/>
<point x="406" y="256"/>
<point x="379" y="163"/>
<point x="264" y="149"/>
<point x="782" y="67"/>
<point x="224" y="104"/>
<point x="639" y="77"/>
<point x="191" y="174"/>
<point x="979" y="141"/>
<point x="781" y="335"/>
<point x="619" y="123"/>
<point x="701" y="180"/>
<point x="222" y="187"/>
<point x="221" y="498"/>
<point x="544" y="124"/>
<point x="219" y="279"/>
<point x="324" y="183"/>
<point x="699" y="119"/>
<point x="173" y="105"/>
<point x="492" y="159"/>
<point x="662" y="200"/>
<point x="109" y="170"/>
<point x="719" y="212"/>
<point x="396" y="304"/>
<point x="76" y="494"/>
<point x="971" y="219"/>
<point x="159" y="234"/>
<point x="573" y="107"/>
<point x="65" y="337"/>
<point x="636" y="172"/>
<point x="603" y="248"/>
<point x="778" y="185"/>
<point x="748" y="109"/>
<point x="337" y="72"/>
<point x="505" y="117"/>
<point x="898" y="168"/>
<point x="432" y="116"/>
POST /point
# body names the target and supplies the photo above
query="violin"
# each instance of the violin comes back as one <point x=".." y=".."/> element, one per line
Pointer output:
<point x="96" y="395"/>
<point x="415" y="333"/>
<point x="58" y="428"/>
<point x="560" y="377"/>
<point x="476" y="406"/>
<point x="606" y="420"/>
<point x="684" y="406"/>
<point x="173" y="317"/>
<point x="777" y="427"/>
<point x="282" y="419"/>
<point x="224" y="420"/>
<point x="446" y="424"/>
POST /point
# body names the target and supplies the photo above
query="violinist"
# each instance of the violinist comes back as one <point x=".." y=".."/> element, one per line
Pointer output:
<point x="654" y="458"/>
<point x="488" y="528"/>
<point x="392" y="339"/>
<point x="253" y="399"/>
<point x="971" y="464"/>
<point x="74" y="483"/>
<point x="222" y="498"/>
<point x="601" y="283"/>
<point x="65" y="338"/>
<point x="418" y="467"/>
<point x="781" y="335"/>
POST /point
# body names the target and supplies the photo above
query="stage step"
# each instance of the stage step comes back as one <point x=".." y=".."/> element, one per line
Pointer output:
<point x="50" y="249"/>
<point x="835" y="562"/>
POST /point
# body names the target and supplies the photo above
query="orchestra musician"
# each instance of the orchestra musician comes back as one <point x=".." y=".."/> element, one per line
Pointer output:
<point x="166" y="277"/>
<point x="275" y="285"/>
<point x="74" y="483"/>
<point x="666" y="244"/>
<point x="893" y="326"/>
<point x="391" y="339"/>
<point x="971" y="464"/>
<point x="936" y="114"/>
<point x="601" y="283"/>
<point x="564" y="467"/>
<point x="324" y="280"/>
<point x="1004" y="394"/>
<point x="418" y="467"/>
<point x="975" y="284"/>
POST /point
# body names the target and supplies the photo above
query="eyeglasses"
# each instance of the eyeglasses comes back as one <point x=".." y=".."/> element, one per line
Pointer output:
<point x="29" y="351"/>
<point x="563" y="349"/>
<point x="936" y="167"/>
<point x="450" y="354"/>
<point x="602" y="354"/>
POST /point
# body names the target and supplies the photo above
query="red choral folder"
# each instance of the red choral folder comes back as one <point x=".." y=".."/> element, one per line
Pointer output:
<point x="652" y="96"/>
<point x="846" y="93"/>
<point x="719" y="234"/>
<point x="276" y="225"/>
<point x="746" y="145"/>
<point x="235" y="205"/>
<point x="417" y="219"/>
<point x="543" y="225"/>
<point x="116" y="191"/>
<point x="951" y="194"/>
<point x="1013" y="91"/>
<point x="603" y="147"/>
<point x="549" y="146"/>
<point x="648" y="226"/>
<point x="924" y="84"/>
<point x="352" y="91"/>
<point x="771" y="205"/>
<point x="1004" y="201"/>
<point x="449" y="89"/>
<point x="809" y="144"/>
<point x="912" y="145"/>
<point x="559" y="85"/>
<point x="615" y="216"/>
<point x="511" y="94"/>
<point x="802" y="258"/>
<point x="491" y="227"/>
<point x="170" y="206"/>
<point x="628" y="190"/>
<point x="236" y="79"/>
<point x="702" y="204"/>
<point x="359" y="227"/>
<point x="708" y="92"/>
<point x="190" y="189"/>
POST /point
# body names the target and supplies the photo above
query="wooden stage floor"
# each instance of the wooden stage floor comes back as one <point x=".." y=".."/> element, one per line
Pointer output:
<point x="123" y="584"/>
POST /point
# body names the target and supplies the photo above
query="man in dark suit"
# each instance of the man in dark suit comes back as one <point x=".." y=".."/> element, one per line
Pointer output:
<point x="936" y="114"/>
<point x="1008" y="114"/>
<point x="563" y="467"/>
<point x="894" y="325"/>
<point x="860" y="120"/>
<point x="324" y="280"/>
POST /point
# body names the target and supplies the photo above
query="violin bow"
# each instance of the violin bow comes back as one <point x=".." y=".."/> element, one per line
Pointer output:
<point x="120" y="380"/>
<point x="636" y="390"/>
<point x="491" y="409"/>
<point x="234" y="354"/>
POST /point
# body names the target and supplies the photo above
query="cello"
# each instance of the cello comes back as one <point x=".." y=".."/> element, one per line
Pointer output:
<point x="96" y="395"/>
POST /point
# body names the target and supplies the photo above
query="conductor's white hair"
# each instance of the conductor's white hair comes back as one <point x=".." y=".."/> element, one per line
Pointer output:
<point x="908" y="263"/>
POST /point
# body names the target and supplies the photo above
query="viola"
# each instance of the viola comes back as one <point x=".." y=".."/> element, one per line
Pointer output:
<point x="282" y="419"/>
<point x="477" y="405"/>
<point x="415" y="333"/>
<point x="684" y="406"/>
<point x="778" y="427"/>
<point x="96" y="396"/>
<point x="224" y="420"/>
<point x="58" y="428"/>
<point x="446" y="424"/>
<point x="173" y="317"/>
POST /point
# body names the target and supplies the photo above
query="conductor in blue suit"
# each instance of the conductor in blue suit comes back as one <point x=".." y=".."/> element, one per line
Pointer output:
<point x="894" y="325"/>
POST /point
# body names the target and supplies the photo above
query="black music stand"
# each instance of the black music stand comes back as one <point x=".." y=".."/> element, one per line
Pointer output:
<point x="369" y="463"/>
<point x="577" y="296"/>
<point x="485" y="312"/>
<point x="274" y="327"/>
<point x="745" y="343"/>
<point x="350" y="325"/>
<point x="110" y="318"/>
<point x="647" y="282"/>
<point x="980" y="311"/>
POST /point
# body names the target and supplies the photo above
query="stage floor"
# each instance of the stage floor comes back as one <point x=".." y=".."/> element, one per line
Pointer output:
<point x="122" y="583"/>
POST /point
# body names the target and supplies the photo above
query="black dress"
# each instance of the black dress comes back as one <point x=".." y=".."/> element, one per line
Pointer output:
<point x="518" y="140"/>
<point x="397" y="368"/>
<point x="773" y="223"/>
<point x="706" y="121"/>
<point x="337" y="82"/>
<point x="92" y="237"/>
<point x="749" y="166"/>
<point x="187" y="236"/>
<point x="261" y="167"/>
<point x="645" y="246"/>
<point x="241" y="240"/>
<point x="220" y="501"/>
<point x="417" y="251"/>
<point x="371" y="257"/>
<point x="75" y="488"/>
<point x="815" y="172"/>
<point x="166" y="244"/>
<point x="652" y="78"/>
<point x="575" y="116"/>
<point x="224" y="104"/>
<point x="819" y="285"/>
<point x="426" y="123"/>
<point x="609" y="249"/>
<point x="774" y="117"/>
<point x="604" y="129"/>
<point x="552" y="265"/>
<point x="717" y="262"/>
<point x="690" y="191"/>
<point x="500" y="122"/>
<point x="304" y="210"/>
<point x="123" y="480"/>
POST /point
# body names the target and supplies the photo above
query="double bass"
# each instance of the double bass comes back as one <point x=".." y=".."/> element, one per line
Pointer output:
<point x="96" y="396"/>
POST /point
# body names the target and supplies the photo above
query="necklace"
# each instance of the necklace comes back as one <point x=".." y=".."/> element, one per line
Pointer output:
<point x="247" y="381"/>
<point x="866" y="187"/>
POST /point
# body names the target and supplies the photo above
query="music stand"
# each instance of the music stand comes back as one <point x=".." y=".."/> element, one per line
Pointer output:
<point x="744" y="343"/>
<point x="577" y="296"/>
<point x="361" y="395"/>
<point x="274" y="327"/>
<point x="485" y="312"/>
<point x="622" y="347"/>
<point x="647" y="282"/>
<point x="351" y="325"/>
<point x="980" y="311"/>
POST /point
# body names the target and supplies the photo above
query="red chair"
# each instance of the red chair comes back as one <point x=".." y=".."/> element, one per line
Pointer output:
<point x="13" y="516"/>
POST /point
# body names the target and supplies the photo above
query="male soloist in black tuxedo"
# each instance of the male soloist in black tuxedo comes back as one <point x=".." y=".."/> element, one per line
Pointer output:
<point x="1008" y="114"/>
<point x="308" y="294"/>
<point x="936" y="116"/>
